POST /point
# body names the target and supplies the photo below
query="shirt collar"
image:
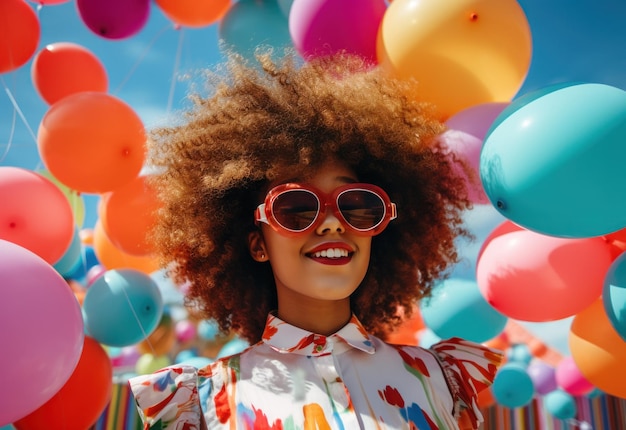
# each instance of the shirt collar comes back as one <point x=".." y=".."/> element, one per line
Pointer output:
<point x="286" y="338"/>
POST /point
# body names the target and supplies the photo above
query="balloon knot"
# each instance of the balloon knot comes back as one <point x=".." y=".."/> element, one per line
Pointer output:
<point x="473" y="16"/>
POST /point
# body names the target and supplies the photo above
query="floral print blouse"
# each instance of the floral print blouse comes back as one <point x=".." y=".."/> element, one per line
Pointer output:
<point x="295" y="379"/>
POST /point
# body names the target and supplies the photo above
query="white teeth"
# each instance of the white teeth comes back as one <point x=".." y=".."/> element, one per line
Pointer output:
<point x="331" y="253"/>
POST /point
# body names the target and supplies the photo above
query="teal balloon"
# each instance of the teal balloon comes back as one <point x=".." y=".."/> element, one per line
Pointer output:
<point x="560" y="404"/>
<point x="520" y="354"/>
<point x="522" y="101"/>
<point x="556" y="164"/>
<point x="614" y="295"/>
<point x="458" y="309"/>
<point x="250" y="24"/>
<point x="71" y="258"/>
<point x="122" y="307"/>
<point x="512" y="386"/>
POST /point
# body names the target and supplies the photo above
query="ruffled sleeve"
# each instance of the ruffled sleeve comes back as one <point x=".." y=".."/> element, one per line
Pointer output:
<point x="469" y="369"/>
<point x="169" y="398"/>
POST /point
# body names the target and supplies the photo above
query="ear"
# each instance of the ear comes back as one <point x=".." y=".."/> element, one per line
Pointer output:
<point x="256" y="245"/>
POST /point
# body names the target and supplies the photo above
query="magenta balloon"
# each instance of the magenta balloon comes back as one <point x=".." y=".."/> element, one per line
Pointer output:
<point x="35" y="213"/>
<point x="114" y="19"/>
<point x="543" y="376"/>
<point x="322" y="27"/>
<point x="42" y="332"/>
<point x="476" y="120"/>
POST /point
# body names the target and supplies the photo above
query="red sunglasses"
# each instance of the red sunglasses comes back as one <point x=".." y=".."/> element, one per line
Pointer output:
<point x="292" y="209"/>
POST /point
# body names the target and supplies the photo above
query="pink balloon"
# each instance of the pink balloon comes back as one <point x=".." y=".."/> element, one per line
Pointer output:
<point x="185" y="331"/>
<point x="114" y="19"/>
<point x="532" y="277"/>
<point x="476" y="120"/>
<point x="467" y="148"/>
<point x="42" y="332"/>
<point x="322" y="27"/>
<point x="570" y="378"/>
<point x="35" y="213"/>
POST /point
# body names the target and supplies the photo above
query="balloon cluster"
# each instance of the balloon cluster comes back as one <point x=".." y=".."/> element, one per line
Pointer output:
<point x="549" y="162"/>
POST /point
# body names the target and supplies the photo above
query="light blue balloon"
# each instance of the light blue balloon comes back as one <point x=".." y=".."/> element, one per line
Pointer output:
<point x="512" y="386"/>
<point x="208" y="329"/>
<point x="556" y="164"/>
<point x="520" y="354"/>
<point x="614" y="295"/>
<point x="197" y="362"/>
<point x="122" y="307"/>
<point x="560" y="404"/>
<point x="250" y="24"/>
<point x="457" y="308"/>
<point x="233" y="346"/>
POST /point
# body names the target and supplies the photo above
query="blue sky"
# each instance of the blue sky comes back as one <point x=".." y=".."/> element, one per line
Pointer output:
<point x="573" y="41"/>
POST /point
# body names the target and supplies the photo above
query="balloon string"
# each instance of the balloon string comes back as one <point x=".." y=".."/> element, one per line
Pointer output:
<point x="143" y="332"/>
<point x="17" y="109"/>
<point x="10" y="141"/>
<point x="141" y="58"/>
<point x="179" y="49"/>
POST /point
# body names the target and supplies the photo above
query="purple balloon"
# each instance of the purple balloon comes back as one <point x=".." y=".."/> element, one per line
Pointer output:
<point x="322" y="27"/>
<point x="543" y="376"/>
<point x="476" y="120"/>
<point x="114" y="19"/>
<point x="42" y="332"/>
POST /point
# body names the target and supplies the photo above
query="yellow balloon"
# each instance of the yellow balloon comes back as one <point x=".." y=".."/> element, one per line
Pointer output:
<point x="462" y="52"/>
<point x="74" y="198"/>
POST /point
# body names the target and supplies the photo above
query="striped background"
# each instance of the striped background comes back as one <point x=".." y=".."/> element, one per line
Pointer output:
<point x="602" y="412"/>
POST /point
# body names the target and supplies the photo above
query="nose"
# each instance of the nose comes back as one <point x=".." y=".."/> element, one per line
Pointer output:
<point x="330" y="224"/>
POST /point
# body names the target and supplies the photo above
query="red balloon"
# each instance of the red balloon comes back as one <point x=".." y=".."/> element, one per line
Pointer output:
<point x="533" y="277"/>
<point x="128" y="213"/>
<point x="92" y="142"/>
<point x="35" y="213"/>
<point x="79" y="403"/>
<point x="19" y="34"/>
<point x="64" y="68"/>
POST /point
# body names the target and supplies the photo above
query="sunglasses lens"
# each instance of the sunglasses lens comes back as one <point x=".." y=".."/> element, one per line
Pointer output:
<point x="295" y="210"/>
<point x="362" y="209"/>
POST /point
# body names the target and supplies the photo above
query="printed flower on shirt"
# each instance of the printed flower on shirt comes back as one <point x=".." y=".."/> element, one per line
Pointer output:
<point x="413" y="362"/>
<point x="392" y="396"/>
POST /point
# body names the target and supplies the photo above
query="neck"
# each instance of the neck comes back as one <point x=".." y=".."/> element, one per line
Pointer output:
<point x="325" y="318"/>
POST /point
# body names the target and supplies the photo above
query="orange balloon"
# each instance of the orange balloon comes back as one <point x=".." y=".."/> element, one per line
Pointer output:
<point x="407" y="333"/>
<point x="127" y="215"/>
<point x="79" y="403"/>
<point x="19" y="34"/>
<point x="112" y="257"/>
<point x="598" y="350"/>
<point x="462" y="52"/>
<point x="34" y="213"/>
<point x="64" y="68"/>
<point x="194" y="13"/>
<point x="92" y="142"/>
<point x="162" y="340"/>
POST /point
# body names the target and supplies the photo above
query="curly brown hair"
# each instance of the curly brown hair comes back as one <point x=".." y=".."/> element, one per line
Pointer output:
<point x="266" y="119"/>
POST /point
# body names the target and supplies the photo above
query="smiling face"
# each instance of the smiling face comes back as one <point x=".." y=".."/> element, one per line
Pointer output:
<point x="323" y="266"/>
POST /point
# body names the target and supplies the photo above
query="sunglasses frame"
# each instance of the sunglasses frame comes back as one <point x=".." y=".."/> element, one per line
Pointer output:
<point x="264" y="212"/>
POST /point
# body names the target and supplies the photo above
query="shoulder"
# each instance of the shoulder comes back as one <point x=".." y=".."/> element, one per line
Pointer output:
<point x="469" y="368"/>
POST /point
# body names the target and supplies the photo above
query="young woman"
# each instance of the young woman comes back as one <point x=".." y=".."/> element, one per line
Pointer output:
<point x="309" y="206"/>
